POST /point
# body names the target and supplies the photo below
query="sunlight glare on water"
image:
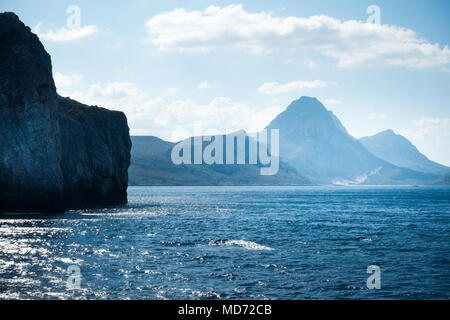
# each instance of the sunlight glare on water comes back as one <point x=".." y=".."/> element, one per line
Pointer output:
<point x="236" y="243"/>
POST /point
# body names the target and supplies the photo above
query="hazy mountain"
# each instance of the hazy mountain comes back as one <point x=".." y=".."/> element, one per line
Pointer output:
<point x="151" y="164"/>
<point x="398" y="150"/>
<point x="445" y="180"/>
<point x="313" y="141"/>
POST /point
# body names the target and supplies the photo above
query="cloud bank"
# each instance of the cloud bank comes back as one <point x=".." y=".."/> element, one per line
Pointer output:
<point x="175" y="119"/>
<point x="351" y="43"/>
<point x="276" y="88"/>
<point x="64" y="34"/>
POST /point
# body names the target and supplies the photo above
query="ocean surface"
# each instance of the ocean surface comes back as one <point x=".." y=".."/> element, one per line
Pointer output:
<point x="235" y="243"/>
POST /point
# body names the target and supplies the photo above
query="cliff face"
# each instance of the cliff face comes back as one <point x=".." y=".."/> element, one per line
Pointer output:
<point x="55" y="153"/>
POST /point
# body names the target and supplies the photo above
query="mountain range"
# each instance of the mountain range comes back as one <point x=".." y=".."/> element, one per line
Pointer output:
<point x="315" y="148"/>
<point x="398" y="150"/>
<point x="152" y="165"/>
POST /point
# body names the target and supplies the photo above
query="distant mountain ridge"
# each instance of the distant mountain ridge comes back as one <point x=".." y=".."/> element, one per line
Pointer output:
<point x="314" y="148"/>
<point x="398" y="150"/>
<point x="151" y="164"/>
<point x="314" y="141"/>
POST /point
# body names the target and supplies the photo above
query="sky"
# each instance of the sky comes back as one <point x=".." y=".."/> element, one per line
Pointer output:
<point x="179" y="68"/>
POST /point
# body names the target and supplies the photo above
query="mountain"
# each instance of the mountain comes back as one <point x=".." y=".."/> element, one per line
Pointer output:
<point x="55" y="153"/>
<point x="151" y="164"/>
<point x="314" y="141"/>
<point x="398" y="150"/>
<point x="445" y="180"/>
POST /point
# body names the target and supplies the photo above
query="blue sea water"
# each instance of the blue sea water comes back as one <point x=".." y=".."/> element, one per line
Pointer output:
<point x="236" y="243"/>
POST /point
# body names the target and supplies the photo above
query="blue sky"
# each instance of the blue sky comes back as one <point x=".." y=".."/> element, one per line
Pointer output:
<point x="177" y="67"/>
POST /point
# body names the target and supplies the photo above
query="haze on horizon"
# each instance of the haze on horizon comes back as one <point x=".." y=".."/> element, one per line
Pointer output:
<point x="181" y="66"/>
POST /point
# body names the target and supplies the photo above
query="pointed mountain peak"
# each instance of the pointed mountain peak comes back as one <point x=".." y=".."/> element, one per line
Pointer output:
<point x="306" y="104"/>
<point x="307" y="116"/>
<point x="308" y="99"/>
<point x="390" y="135"/>
<point x="388" y="132"/>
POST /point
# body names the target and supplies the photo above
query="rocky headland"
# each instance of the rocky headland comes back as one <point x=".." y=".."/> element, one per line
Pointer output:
<point x="55" y="153"/>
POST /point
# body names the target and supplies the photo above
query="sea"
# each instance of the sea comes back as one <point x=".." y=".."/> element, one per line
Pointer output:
<point x="319" y="242"/>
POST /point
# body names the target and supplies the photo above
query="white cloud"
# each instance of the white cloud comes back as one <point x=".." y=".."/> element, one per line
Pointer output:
<point x="115" y="91"/>
<point x="175" y="119"/>
<point x="431" y="127"/>
<point x="64" y="34"/>
<point x="172" y="91"/>
<point x="311" y="64"/>
<point x="62" y="80"/>
<point x="204" y="85"/>
<point x="332" y="101"/>
<point x="351" y="42"/>
<point x="432" y="137"/>
<point x="376" y="116"/>
<point x="276" y="88"/>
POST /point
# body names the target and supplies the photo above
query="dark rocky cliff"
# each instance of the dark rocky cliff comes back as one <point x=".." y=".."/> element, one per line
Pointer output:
<point x="55" y="153"/>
